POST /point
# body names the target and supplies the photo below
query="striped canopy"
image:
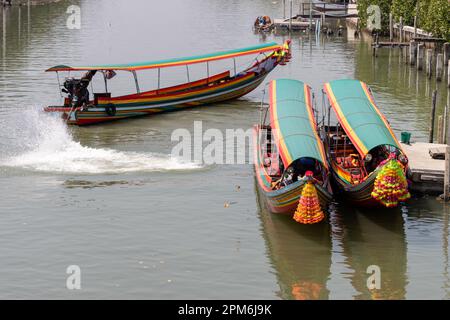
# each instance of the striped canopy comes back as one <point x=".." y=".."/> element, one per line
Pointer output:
<point x="359" y="116"/>
<point x="292" y="121"/>
<point x="177" y="61"/>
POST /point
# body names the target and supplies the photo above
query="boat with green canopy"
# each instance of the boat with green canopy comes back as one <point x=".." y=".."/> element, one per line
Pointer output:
<point x="367" y="161"/>
<point x="289" y="157"/>
<point x="82" y="108"/>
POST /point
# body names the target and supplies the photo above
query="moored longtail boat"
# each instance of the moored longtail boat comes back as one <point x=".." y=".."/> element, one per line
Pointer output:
<point x="368" y="164"/>
<point x="289" y="157"/>
<point x="80" y="109"/>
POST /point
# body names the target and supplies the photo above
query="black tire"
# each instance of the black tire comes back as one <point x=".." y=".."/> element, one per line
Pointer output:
<point x="110" y="110"/>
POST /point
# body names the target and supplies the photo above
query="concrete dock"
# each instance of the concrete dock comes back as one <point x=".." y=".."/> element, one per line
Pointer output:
<point x="426" y="173"/>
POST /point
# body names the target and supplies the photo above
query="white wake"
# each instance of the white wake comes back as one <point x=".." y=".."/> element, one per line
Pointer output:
<point x="45" y="144"/>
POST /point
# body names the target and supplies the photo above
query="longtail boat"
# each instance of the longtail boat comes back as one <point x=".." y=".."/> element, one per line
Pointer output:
<point x="81" y="109"/>
<point x="367" y="161"/>
<point x="289" y="157"/>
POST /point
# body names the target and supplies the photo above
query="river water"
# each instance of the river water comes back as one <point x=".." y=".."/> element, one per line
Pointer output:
<point x="142" y="225"/>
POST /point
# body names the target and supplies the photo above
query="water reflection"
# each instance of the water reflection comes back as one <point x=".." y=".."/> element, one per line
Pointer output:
<point x="300" y="254"/>
<point x="373" y="237"/>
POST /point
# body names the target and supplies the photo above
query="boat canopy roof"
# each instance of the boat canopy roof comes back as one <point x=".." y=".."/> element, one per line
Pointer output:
<point x="292" y="121"/>
<point x="177" y="61"/>
<point x="359" y="116"/>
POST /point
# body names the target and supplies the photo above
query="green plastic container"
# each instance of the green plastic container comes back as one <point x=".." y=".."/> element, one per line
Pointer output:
<point x="406" y="137"/>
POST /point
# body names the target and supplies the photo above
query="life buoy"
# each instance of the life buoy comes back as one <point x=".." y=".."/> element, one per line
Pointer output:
<point x="110" y="109"/>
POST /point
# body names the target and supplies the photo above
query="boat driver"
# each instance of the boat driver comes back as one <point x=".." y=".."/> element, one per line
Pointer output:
<point x="82" y="91"/>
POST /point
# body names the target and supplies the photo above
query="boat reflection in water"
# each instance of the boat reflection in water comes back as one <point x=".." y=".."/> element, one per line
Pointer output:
<point x="300" y="254"/>
<point x="377" y="238"/>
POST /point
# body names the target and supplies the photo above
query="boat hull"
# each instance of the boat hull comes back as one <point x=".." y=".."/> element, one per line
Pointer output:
<point x="359" y="195"/>
<point x="285" y="201"/>
<point x="218" y="88"/>
<point x="153" y="106"/>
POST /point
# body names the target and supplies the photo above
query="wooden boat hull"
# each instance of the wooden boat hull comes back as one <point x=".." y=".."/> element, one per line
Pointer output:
<point x="363" y="151"/>
<point x="285" y="201"/>
<point x="153" y="106"/>
<point x="218" y="88"/>
<point x="359" y="195"/>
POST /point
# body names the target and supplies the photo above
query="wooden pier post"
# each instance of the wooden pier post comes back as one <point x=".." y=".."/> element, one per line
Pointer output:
<point x="447" y="173"/>
<point x="420" y="55"/>
<point x="447" y="153"/>
<point x="429" y="62"/>
<point x="303" y="8"/>
<point x="446" y="53"/>
<point x="310" y="15"/>
<point x="391" y="28"/>
<point x="290" y="16"/>
<point x="440" y="139"/>
<point x="401" y="29"/>
<point x="284" y="9"/>
<point x="444" y="131"/>
<point x="448" y="75"/>
<point x="439" y="66"/>
<point x="415" y="26"/>
<point x="405" y="54"/>
<point x="412" y="52"/>
<point x="433" y="113"/>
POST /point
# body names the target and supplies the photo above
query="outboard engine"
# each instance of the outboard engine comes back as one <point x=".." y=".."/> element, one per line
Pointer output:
<point x="71" y="87"/>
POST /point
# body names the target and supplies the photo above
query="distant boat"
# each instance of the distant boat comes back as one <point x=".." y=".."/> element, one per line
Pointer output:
<point x="288" y="152"/>
<point x="79" y="109"/>
<point x="368" y="164"/>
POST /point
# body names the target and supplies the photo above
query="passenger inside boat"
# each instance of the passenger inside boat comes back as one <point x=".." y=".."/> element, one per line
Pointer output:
<point x="298" y="169"/>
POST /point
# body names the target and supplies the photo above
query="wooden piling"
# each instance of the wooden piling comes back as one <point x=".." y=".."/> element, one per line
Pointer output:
<point x="401" y="29"/>
<point x="391" y="28"/>
<point x="290" y="15"/>
<point x="412" y="52"/>
<point x="444" y="131"/>
<point x="446" y="53"/>
<point x="446" y="194"/>
<point x="448" y="75"/>
<point x="303" y="8"/>
<point x="284" y="9"/>
<point x="440" y="139"/>
<point x="433" y="113"/>
<point x="420" y="55"/>
<point x="405" y="54"/>
<point x="429" y="61"/>
<point x="447" y="173"/>
<point x="439" y="66"/>
<point x="415" y="26"/>
<point x="310" y="15"/>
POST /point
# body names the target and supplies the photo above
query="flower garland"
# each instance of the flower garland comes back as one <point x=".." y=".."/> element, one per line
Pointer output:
<point x="308" y="210"/>
<point x="390" y="185"/>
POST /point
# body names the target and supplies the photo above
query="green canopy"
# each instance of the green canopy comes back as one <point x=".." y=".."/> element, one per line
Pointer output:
<point x="292" y="121"/>
<point x="261" y="48"/>
<point x="359" y="116"/>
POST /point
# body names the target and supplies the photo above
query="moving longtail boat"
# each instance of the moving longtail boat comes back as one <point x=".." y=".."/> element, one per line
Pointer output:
<point x="367" y="162"/>
<point x="289" y="157"/>
<point x="80" y="109"/>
